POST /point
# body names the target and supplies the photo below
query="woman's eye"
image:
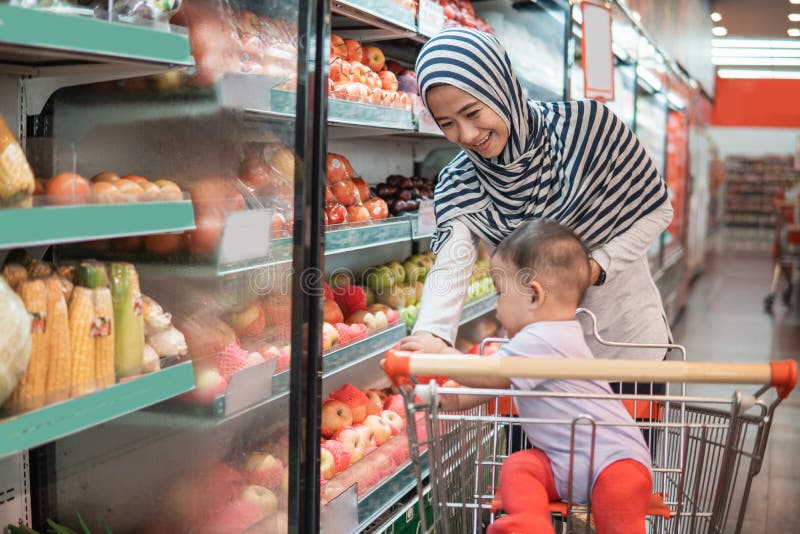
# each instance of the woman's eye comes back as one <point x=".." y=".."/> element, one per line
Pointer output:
<point x="445" y="125"/>
<point x="473" y="114"/>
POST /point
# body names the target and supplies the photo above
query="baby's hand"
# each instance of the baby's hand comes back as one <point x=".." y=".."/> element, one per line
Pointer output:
<point x="424" y="342"/>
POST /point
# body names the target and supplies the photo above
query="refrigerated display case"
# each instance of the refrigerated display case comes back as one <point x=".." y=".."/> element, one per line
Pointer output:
<point x="172" y="205"/>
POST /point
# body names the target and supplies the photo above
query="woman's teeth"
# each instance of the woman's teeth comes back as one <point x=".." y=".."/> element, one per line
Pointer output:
<point x="483" y="143"/>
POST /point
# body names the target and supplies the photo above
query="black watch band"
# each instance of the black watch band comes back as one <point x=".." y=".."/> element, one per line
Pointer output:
<point x="601" y="278"/>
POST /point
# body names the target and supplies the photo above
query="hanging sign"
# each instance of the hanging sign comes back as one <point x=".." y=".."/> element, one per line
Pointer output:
<point x="598" y="58"/>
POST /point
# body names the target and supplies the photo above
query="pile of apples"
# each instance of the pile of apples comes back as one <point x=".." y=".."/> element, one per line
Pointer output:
<point x="347" y="196"/>
<point x="460" y="13"/>
<point x="359" y="74"/>
<point x="354" y="424"/>
<point x="225" y="38"/>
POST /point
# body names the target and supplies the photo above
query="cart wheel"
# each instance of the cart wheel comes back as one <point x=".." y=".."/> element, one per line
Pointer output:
<point x="787" y="295"/>
<point x="768" y="301"/>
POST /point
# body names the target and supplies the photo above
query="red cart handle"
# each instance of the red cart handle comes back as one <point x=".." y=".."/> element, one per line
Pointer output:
<point x="782" y="375"/>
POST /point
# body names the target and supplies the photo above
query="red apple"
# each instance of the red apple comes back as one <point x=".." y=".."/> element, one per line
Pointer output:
<point x="374" y="58"/>
<point x="337" y="46"/>
<point x="377" y="208"/>
<point x="382" y="463"/>
<point x="336" y="169"/>
<point x="247" y="320"/>
<point x="264" y="470"/>
<point x="330" y="337"/>
<point x="335" y="416"/>
<point x="336" y="213"/>
<point x="380" y="428"/>
<point x="388" y="80"/>
<point x="264" y="499"/>
<point x="366" y="434"/>
<point x="375" y="404"/>
<point x="353" y="50"/>
<point x="255" y="173"/>
<point x="357" y="213"/>
<point x="346" y="192"/>
<point x="326" y="463"/>
<point x="331" y="313"/>
<point x="209" y="384"/>
<point x="335" y="69"/>
<point x="352" y="441"/>
<point x="363" y="188"/>
<point x="395" y="422"/>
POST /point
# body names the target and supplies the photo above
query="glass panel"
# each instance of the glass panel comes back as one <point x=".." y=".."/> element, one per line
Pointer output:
<point x="178" y="185"/>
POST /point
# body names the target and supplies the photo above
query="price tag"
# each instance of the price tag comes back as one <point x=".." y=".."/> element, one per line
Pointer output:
<point x="246" y="236"/>
<point x="431" y="17"/>
<point x="426" y="219"/>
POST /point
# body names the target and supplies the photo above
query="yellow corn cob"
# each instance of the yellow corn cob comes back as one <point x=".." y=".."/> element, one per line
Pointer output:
<point x="16" y="177"/>
<point x="59" y="368"/>
<point x="14" y="273"/>
<point x="38" y="268"/>
<point x="30" y="392"/>
<point x="104" y="340"/>
<point x="81" y="342"/>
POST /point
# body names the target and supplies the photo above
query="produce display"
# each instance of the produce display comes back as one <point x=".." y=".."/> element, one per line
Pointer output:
<point x="89" y="325"/>
<point x="461" y="14"/>
<point x="15" y="340"/>
<point x="403" y="194"/>
<point x="348" y="197"/>
<point x="359" y="74"/>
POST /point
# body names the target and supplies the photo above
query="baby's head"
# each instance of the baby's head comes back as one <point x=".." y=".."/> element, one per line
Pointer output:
<point x="541" y="272"/>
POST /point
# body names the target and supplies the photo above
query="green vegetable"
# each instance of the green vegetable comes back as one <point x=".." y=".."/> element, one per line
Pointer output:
<point x="92" y="274"/>
<point x="20" y="529"/>
<point x="59" y="529"/>
<point x="128" y="320"/>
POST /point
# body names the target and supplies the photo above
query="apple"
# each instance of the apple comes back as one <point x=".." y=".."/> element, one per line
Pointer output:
<point x="209" y="384"/>
<point x="330" y="337"/>
<point x="337" y="46"/>
<point x="346" y="192"/>
<point x="375" y="404"/>
<point x="366" y="433"/>
<point x="363" y="316"/>
<point x="247" y="320"/>
<point x="377" y="208"/>
<point x="353" y="50"/>
<point x="381" y="320"/>
<point x="331" y="313"/>
<point x="335" y="69"/>
<point x="278" y="223"/>
<point x="337" y="214"/>
<point x="264" y="499"/>
<point x="326" y="463"/>
<point x="335" y="416"/>
<point x="352" y="441"/>
<point x="374" y="58"/>
<point x="380" y="428"/>
<point x="388" y="80"/>
<point x="396" y="423"/>
<point x="382" y="463"/>
<point x="263" y="469"/>
<point x="363" y="188"/>
<point x="357" y="213"/>
<point x="255" y="173"/>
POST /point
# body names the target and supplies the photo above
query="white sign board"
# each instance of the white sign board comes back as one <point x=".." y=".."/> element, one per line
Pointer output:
<point x="246" y="236"/>
<point x="598" y="58"/>
<point x="431" y="17"/>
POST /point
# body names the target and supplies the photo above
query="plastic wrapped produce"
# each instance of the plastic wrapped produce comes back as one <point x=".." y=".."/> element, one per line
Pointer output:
<point x="15" y="340"/>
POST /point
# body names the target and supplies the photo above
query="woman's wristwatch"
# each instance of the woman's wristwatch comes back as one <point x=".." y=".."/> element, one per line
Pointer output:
<point x="601" y="276"/>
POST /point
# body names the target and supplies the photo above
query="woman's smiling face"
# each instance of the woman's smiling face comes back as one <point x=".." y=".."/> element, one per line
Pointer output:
<point x="467" y="121"/>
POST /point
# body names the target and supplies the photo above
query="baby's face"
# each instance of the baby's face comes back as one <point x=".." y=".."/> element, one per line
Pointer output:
<point x="516" y="303"/>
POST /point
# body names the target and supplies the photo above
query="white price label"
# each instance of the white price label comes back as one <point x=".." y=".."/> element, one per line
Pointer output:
<point x="426" y="218"/>
<point x="246" y="236"/>
<point x="431" y="17"/>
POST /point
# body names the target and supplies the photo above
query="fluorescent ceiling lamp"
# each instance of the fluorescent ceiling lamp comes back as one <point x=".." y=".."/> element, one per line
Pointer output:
<point x="757" y="61"/>
<point x="719" y="31"/>
<point x="756" y="73"/>
<point x="755" y="52"/>
<point x="754" y="43"/>
<point x="649" y="79"/>
<point x="619" y="52"/>
<point x="577" y="14"/>
<point x="676" y="101"/>
<point x="794" y="17"/>
<point x="793" y="32"/>
<point x="795" y="2"/>
<point x="716" y="17"/>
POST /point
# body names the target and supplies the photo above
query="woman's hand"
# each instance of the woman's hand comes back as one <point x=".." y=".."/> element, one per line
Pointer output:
<point x="422" y="342"/>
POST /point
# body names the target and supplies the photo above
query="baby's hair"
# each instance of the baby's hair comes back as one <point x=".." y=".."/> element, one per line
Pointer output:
<point x="553" y="254"/>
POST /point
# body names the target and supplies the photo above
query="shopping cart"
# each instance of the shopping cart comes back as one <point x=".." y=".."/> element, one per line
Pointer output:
<point x="705" y="450"/>
<point x="786" y="253"/>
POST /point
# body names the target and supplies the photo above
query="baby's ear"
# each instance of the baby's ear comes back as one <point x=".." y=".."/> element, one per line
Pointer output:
<point x="537" y="293"/>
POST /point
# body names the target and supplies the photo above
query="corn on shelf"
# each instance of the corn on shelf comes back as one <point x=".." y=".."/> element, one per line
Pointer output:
<point x="55" y="421"/>
<point x="46" y="225"/>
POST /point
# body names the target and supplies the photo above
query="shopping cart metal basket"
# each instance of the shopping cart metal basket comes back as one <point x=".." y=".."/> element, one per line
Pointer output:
<point x="705" y="450"/>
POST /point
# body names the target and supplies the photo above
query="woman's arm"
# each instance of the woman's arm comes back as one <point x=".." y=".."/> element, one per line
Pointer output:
<point x="445" y="291"/>
<point x="630" y="246"/>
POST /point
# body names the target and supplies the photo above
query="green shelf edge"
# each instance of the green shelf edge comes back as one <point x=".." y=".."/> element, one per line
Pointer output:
<point x="63" y="224"/>
<point x="386" y="11"/>
<point x="93" y="37"/>
<point x="62" y="419"/>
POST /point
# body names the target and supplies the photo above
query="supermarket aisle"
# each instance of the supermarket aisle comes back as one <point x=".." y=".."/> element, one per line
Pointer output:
<point x="724" y="321"/>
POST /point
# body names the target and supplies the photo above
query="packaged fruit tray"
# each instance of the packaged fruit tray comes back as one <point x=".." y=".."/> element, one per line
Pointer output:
<point x="351" y="113"/>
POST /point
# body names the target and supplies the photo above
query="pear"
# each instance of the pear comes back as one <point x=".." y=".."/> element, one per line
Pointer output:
<point x="341" y="279"/>
<point x="379" y="278"/>
<point x="419" y="287"/>
<point x="413" y="272"/>
<point x="410" y="292"/>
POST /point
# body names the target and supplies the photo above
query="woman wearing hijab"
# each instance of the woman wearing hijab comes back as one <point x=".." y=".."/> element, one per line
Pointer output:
<point x="572" y="162"/>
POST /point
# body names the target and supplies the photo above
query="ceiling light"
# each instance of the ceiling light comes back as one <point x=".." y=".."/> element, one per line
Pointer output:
<point x="757" y="61"/>
<point x="759" y="73"/>
<point x="796" y="2"/>
<point x="794" y="17"/>
<point x="793" y="32"/>
<point x="755" y="43"/>
<point x="719" y="31"/>
<point x="755" y="52"/>
<point x="650" y="79"/>
<point x="716" y="17"/>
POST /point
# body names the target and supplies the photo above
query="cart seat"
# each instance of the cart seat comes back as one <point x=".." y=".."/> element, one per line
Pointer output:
<point x="655" y="507"/>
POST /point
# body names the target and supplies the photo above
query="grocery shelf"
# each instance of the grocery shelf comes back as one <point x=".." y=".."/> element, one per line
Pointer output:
<point x="385" y="494"/>
<point x="374" y="20"/>
<point x="45" y="225"/>
<point x="53" y="50"/>
<point x="478" y="308"/>
<point x="366" y="235"/>
<point x="56" y="421"/>
<point x="338" y="360"/>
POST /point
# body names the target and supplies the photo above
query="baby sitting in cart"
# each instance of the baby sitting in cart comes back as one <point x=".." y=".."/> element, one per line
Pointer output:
<point x="541" y="272"/>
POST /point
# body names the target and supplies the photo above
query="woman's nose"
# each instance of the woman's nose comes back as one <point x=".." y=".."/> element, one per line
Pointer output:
<point x="468" y="134"/>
